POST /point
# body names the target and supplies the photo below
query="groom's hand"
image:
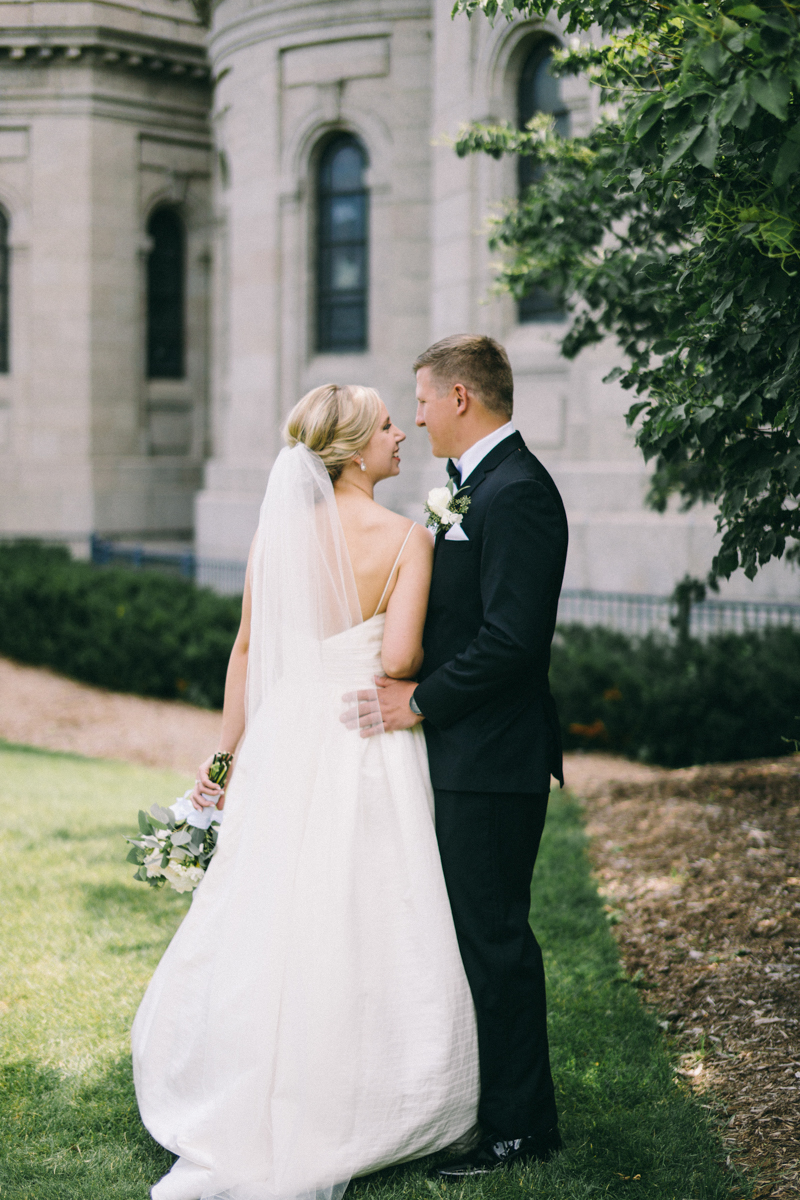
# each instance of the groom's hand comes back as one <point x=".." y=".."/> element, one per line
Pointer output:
<point x="382" y="709"/>
<point x="393" y="698"/>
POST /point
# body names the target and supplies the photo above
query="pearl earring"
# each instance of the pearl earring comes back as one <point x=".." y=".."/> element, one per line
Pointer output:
<point x="361" y="464"/>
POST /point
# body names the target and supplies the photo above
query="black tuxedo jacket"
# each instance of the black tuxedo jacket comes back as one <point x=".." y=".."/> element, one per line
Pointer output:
<point x="490" y="720"/>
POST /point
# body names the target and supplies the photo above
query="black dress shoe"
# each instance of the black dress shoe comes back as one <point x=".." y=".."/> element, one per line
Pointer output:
<point x="495" y="1154"/>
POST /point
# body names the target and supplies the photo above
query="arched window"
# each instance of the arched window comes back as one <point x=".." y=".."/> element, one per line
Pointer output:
<point x="342" y="260"/>
<point x="165" y="287"/>
<point x="4" y="295"/>
<point x="539" y="92"/>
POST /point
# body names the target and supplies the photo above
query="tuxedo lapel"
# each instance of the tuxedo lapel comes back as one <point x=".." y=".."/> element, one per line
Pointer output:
<point x="496" y="455"/>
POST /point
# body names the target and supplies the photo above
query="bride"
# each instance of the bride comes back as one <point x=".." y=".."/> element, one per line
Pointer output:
<point x="311" y="1020"/>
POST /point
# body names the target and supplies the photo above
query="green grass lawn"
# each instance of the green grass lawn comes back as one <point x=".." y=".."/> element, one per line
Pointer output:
<point x="79" y="940"/>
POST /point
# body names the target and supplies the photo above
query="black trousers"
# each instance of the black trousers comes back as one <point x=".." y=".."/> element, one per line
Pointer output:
<point x="488" y="843"/>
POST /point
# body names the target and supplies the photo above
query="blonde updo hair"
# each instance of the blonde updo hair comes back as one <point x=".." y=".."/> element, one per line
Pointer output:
<point x="335" y="422"/>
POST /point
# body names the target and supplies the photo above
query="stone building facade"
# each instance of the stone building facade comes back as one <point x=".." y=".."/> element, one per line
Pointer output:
<point x="346" y="236"/>
<point x="104" y="124"/>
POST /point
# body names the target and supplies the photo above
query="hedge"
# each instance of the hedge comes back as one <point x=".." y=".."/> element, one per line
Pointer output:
<point x="732" y="696"/>
<point x="132" y="631"/>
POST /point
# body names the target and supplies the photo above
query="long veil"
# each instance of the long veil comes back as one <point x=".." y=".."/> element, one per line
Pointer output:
<point x="302" y="581"/>
<point x="303" y="595"/>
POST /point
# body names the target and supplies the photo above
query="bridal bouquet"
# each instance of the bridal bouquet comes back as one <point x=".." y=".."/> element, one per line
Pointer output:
<point x="176" y="844"/>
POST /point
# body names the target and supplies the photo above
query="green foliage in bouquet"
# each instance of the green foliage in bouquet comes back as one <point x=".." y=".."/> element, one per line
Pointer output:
<point x="131" y="631"/>
<point x="732" y="696"/>
<point x="674" y="226"/>
<point x="445" y="508"/>
<point x="171" y="851"/>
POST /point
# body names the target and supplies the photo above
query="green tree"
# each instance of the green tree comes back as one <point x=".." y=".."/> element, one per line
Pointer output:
<point x="675" y="226"/>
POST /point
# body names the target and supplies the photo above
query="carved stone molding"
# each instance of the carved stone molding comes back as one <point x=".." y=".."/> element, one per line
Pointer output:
<point x="106" y="48"/>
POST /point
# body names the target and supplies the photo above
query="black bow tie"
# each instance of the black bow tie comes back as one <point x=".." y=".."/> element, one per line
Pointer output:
<point x="453" y="471"/>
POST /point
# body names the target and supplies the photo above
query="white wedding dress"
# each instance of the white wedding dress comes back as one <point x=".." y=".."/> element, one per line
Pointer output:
<point x="311" y="1020"/>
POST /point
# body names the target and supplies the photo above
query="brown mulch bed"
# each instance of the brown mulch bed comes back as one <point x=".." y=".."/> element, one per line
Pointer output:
<point x="40" y="708"/>
<point x="701" y="872"/>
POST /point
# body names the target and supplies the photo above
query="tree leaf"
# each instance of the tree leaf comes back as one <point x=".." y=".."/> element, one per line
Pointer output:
<point x="748" y="12"/>
<point x="713" y="57"/>
<point x="649" y="115"/>
<point x="744" y="113"/>
<point x="706" y="146"/>
<point x="729" y="101"/>
<point x="772" y="93"/>
<point x="724" y="304"/>
<point x="788" y="162"/>
<point x="683" y="143"/>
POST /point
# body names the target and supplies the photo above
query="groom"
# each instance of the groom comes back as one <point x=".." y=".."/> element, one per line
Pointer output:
<point x="491" y="726"/>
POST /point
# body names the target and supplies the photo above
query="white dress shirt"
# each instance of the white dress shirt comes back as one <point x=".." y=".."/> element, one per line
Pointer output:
<point x="477" y="452"/>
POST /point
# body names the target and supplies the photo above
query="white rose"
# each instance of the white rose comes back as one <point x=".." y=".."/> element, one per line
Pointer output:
<point x="438" y="500"/>
<point x="178" y="877"/>
<point x="152" y="864"/>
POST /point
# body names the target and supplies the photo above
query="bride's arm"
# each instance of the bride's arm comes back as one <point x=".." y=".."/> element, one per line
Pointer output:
<point x="205" y="792"/>
<point x="401" y="652"/>
<point x="233" y="706"/>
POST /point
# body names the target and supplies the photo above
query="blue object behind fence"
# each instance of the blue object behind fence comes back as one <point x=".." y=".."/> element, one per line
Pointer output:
<point x="627" y="612"/>
<point x="221" y="576"/>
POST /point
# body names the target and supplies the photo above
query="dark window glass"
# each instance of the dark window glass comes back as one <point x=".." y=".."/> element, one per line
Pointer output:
<point x="4" y="295"/>
<point x="539" y="92"/>
<point x="342" y="264"/>
<point x="165" y="285"/>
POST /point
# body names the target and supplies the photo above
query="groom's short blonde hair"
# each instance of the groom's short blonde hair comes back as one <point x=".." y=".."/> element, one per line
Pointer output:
<point x="476" y="361"/>
<point x="335" y="422"/>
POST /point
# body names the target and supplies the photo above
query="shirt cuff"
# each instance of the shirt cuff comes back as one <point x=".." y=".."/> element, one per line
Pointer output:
<point x="415" y="708"/>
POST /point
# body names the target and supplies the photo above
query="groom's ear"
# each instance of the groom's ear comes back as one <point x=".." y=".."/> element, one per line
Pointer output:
<point x="461" y="396"/>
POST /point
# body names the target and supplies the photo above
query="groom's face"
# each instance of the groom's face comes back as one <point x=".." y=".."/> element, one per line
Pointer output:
<point x="438" y="412"/>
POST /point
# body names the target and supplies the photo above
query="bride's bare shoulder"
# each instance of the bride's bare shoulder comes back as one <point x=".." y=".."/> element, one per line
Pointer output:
<point x="397" y="528"/>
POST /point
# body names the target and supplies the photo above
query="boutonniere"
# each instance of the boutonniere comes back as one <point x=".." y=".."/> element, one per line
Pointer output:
<point x="445" y="508"/>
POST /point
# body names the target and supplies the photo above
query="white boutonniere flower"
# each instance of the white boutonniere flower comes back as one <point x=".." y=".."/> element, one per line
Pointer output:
<point x="445" y="508"/>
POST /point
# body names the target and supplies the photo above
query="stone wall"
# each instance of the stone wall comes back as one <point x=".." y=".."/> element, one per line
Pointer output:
<point x="105" y="116"/>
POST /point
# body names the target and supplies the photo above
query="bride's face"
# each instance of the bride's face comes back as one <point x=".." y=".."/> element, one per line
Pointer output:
<point x="382" y="453"/>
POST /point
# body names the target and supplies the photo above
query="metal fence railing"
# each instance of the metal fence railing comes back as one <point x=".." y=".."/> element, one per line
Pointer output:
<point x="628" y="612"/>
<point x="631" y="613"/>
<point x="222" y="576"/>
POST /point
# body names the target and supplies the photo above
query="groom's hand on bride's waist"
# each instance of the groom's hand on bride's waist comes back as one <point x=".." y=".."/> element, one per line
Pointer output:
<point x="381" y="709"/>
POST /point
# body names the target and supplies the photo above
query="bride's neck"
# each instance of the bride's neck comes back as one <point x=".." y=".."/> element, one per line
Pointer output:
<point x="352" y="486"/>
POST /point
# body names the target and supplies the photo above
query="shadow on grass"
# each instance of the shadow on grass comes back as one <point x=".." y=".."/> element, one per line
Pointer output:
<point x="81" y="1140"/>
<point x="108" y="901"/>
<point x="22" y="748"/>
<point x="94" y="835"/>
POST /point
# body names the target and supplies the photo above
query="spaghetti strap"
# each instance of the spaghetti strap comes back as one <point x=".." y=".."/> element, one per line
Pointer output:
<point x="394" y="568"/>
